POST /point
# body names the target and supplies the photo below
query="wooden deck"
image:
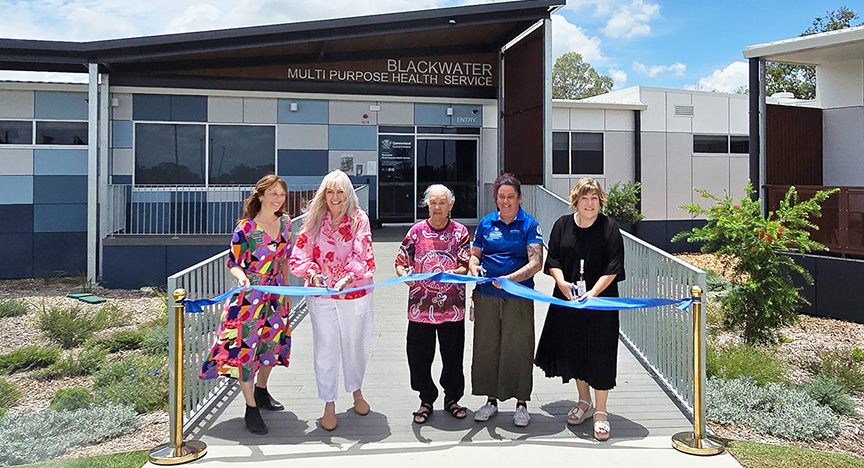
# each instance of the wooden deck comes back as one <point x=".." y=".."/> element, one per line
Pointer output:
<point x="642" y="416"/>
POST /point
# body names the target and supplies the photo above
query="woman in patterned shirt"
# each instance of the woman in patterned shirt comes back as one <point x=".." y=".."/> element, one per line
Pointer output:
<point x="435" y="245"/>
<point x="254" y="335"/>
<point x="334" y="249"/>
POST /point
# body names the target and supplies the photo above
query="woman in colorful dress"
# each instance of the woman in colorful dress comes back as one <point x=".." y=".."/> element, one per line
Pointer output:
<point x="508" y="243"/>
<point x="586" y="259"/>
<point x="254" y="335"/>
<point x="334" y="249"/>
<point x="431" y="246"/>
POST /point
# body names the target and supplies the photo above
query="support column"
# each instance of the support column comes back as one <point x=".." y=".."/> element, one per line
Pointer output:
<point x="92" y="170"/>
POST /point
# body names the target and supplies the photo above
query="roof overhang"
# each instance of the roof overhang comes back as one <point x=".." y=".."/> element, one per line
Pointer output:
<point x="816" y="49"/>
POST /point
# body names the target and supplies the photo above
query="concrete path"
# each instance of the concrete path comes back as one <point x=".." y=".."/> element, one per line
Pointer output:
<point x="642" y="416"/>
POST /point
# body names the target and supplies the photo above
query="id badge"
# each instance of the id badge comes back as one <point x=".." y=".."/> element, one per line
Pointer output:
<point x="580" y="288"/>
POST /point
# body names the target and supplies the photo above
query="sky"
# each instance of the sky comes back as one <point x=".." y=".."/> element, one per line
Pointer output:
<point x="695" y="44"/>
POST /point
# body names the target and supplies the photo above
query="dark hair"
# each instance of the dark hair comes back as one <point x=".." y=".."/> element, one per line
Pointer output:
<point x="252" y="205"/>
<point x="506" y="179"/>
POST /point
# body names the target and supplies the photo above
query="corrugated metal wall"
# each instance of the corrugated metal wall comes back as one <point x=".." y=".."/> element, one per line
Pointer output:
<point x="523" y="109"/>
<point x="793" y="145"/>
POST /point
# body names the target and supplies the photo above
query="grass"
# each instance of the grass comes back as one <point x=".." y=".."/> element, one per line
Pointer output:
<point x="755" y="455"/>
<point x="117" y="460"/>
<point x="745" y="361"/>
<point x="12" y="308"/>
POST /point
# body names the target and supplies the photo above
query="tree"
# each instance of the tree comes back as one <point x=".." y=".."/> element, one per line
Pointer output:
<point x="573" y="78"/>
<point x="800" y="80"/>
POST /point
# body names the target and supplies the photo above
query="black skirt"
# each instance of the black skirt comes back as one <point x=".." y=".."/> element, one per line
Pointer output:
<point x="580" y="344"/>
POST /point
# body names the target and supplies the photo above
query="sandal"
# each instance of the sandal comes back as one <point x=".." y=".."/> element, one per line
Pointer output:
<point x="458" y="412"/>
<point x="601" y="428"/>
<point x="578" y="415"/>
<point x="420" y="417"/>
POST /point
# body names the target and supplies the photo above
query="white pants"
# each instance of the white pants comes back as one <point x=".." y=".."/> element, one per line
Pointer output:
<point x="340" y="327"/>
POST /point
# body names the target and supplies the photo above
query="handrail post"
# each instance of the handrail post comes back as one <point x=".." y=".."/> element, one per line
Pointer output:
<point x="176" y="451"/>
<point x="697" y="442"/>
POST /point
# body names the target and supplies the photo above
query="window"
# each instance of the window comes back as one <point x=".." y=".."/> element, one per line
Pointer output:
<point x="13" y="132"/>
<point x="61" y="133"/>
<point x="587" y="153"/>
<point x="560" y="153"/>
<point x="170" y="154"/>
<point x="241" y="154"/>
<point x="739" y="144"/>
<point x="710" y="144"/>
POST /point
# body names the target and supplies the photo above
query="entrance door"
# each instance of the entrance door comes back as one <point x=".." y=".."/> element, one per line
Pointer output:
<point x="452" y="162"/>
<point x="396" y="178"/>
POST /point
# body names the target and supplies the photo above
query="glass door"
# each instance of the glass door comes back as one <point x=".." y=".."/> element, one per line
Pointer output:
<point x="396" y="178"/>
<point x="452" y="162"/>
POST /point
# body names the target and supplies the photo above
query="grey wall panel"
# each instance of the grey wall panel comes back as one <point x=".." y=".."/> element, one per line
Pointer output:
<point x="620" y="159"/>
<point x="122" y="160"/>
<point x="739" y="174"/>
<point x="16" y="104"/>
<point x="16" y="161"/>
<point x="225" y="109"/>
<point x="711" y="174"/>
<point x="259" y="111"/>
<point x="352" y="113"/>
<point x="561" y="187"/>
<point x="123" y="110"/>
<point x="302" y="136"/>
<point x="489" y="154"/>
<point x="679" y="187"/>
<point x="654" y="175"/>
<point x="396" y="113"/>
<point x="843" y="146"/>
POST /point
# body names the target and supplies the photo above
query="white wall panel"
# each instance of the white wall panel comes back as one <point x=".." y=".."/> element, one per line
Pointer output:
<point x="621" y="120"/>
<point x="396" y="113"/>
<point x="259" y="111"/>
<point x="841" y="84"/>
<point x="843" y="146"/>
<point x="711" y="114"/>
<point x="587" y="119"/>
<point x="739" y="116"/>
<point x="560" y="118"/>
<point x="654" y="117"/>
<point x="490" y="116"/>
<point x="352" y="113"/>
<point x="489" y="155"/>
<point x="561" y="186"/>
<point x="678" y="124"/>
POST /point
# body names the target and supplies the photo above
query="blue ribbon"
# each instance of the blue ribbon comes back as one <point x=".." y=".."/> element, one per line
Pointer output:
<point x="510" y="286"/>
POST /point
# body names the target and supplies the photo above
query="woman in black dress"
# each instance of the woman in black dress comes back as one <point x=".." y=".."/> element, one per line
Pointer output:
<point x="582" y="344"/>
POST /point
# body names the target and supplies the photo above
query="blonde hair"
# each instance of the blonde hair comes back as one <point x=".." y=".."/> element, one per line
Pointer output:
<point x="317" y="207"/>
<point x="585" y="186"/>
<point x="252" y="205"/>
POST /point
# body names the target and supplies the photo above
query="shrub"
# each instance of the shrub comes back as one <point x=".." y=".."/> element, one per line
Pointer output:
<point x="763" y="297"/>
<point x="71" y="399"/>
<point x="9" y="394"/>
<point x="12" y="308"/>
<point x="828" y="392"/>
<point x="29" y="357"/>
<point x="110" y="315"/>
<point x="86" y="362"/>
<point x="774" y="409"/>
<point x="123" y="340"/>
<point x="622" y="201"/>
<point x="846" y="367"/>
<point x="137" y="381"/>
<point x="744" y="361"/>
<point x="156" y="340"/>
<point x="71" y="326"/>
<point x="31" y="438"/>
<point x="715" y="282"/>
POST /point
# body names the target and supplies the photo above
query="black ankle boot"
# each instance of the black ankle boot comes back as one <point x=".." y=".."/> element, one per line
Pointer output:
<point x="253" y="420"/>
<point x="265" y="401"/>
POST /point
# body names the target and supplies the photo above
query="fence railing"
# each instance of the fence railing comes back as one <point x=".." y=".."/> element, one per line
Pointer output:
<point x="207" y="279"/>
<point x="178" y="210"/>
<point x="661" y="337"/>
<point x="841" y="227"/>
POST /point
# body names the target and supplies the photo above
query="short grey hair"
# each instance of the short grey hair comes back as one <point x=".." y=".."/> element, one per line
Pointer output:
<point x="435" y="188"/>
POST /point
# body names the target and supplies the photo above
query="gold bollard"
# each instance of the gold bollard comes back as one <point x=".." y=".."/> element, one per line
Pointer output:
<point x="697" y="443"/>
<point x="176" y="451"/>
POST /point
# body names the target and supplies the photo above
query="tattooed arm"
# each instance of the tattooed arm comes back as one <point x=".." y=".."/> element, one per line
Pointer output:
<point x="535" y="262"/>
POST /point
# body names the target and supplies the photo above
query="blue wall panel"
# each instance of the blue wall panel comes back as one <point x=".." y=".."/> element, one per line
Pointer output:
<point x="59" y="253"/>
<point x="16" y="190"/>
<point x="121" y="134"/>
<point x="151" y="107"/>
<point x="60" y="162"/>
<point x="431" y="114"/>
<point x="60" y="218"/>
<point x="61" y="105"/>
<point x="133" y="266"/>
<point x="18" y="255"/>
<point x="16" y="219"/>
<point x="353" y="137"/>
<point x="467" y="116"/>
<point x="121" y="179"/>
<point x="152" y="218"/>
<point x="180" y="257"/>
<point x="59" y="189"/>
<point x="303" y="162"/>
<point x="308" y="112"/>
<point x="222" y="216"/>
<point x="189" y="108"/>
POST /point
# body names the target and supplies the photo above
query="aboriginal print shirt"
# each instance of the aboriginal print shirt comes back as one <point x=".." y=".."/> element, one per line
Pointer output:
<point x="427" y="250"/>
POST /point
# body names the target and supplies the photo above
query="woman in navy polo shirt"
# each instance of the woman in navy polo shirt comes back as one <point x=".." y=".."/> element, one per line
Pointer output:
<point x="508" y="243"/>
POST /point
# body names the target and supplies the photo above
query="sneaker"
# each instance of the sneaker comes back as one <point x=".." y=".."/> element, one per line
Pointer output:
<point x="485" y="412"/>
<point x="521" y="417"/>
